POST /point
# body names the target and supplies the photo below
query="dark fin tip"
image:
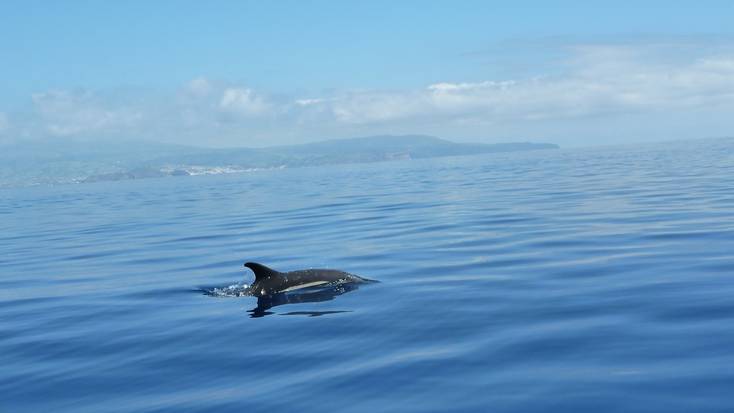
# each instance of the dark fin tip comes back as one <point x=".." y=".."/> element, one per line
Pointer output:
<point x="260" y="270"/>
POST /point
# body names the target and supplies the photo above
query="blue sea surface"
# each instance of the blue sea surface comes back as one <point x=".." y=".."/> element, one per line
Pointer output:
<point x="552" y="281"/>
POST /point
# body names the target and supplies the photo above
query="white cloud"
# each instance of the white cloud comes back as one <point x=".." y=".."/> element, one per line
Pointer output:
<point x="379" y="107"/>
<point x="66" y="113"/>
<point x="242" y="101"/>
<point x="600" y="80"/>
<point x="199" y="87"/>
<point x="309" y="102"/>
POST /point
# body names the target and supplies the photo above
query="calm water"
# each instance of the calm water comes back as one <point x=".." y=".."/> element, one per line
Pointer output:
<point x="551" y="281"/>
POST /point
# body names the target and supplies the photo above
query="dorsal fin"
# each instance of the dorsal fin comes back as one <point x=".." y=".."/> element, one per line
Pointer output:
<point x="261" y="271"/>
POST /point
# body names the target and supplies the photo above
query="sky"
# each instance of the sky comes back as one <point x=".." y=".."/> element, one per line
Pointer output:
<point x="246" y="73"/>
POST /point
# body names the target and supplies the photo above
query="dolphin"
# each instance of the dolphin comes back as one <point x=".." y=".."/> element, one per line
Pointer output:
<point x="269" y="282"/>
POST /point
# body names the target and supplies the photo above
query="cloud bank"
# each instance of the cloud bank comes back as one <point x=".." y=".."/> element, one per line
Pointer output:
<point x="603" y="83"/>
<point x="66" y="113"/>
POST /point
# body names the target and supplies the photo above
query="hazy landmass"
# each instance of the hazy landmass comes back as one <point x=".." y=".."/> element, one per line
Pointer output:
<point x="52" y="162"/>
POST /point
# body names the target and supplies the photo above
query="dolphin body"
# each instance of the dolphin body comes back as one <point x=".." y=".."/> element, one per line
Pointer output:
<point x="269" y="282"/>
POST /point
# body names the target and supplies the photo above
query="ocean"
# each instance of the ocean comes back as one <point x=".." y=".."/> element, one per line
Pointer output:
<point x="573" y="280"/>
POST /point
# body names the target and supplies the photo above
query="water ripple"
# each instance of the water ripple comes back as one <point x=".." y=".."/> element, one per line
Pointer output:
<point x="570" y="280"/>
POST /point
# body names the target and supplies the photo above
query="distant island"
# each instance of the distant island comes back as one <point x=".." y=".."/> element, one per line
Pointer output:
<point x="103" y="161"/>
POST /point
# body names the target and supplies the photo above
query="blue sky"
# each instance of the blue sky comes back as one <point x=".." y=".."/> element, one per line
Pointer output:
<point x="261" y="73"/>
